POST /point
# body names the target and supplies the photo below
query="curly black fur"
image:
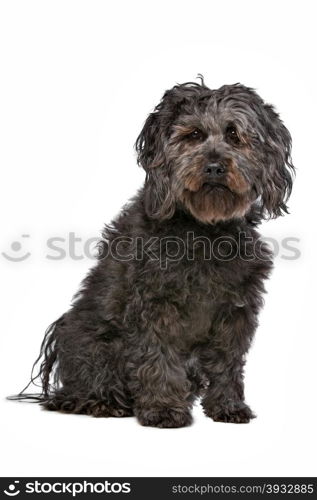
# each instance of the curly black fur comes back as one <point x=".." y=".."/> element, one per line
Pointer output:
<point x="152" y="329"/>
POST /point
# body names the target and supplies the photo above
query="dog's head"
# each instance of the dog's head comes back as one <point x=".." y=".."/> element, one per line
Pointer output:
<point x="215" y="153"/>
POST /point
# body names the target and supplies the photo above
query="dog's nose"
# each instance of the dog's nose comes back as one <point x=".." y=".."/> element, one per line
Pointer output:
<point x="214" y="170"/>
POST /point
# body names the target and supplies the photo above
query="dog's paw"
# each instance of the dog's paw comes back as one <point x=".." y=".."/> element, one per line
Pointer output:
<point x="100" y="410"/>
<point x="164" y="417"/>
<point x="241" y="414"/>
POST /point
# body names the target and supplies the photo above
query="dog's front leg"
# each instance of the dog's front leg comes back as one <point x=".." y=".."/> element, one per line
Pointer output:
<point x="160" y="387"/>
<point x="223" y="362"/>
<point x="163" y="397"/>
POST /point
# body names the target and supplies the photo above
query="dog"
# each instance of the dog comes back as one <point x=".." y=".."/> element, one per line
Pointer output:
<point x="170" y="310"/>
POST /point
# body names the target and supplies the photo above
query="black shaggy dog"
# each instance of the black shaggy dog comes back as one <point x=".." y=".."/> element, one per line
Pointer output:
<point x="170" y="310"/>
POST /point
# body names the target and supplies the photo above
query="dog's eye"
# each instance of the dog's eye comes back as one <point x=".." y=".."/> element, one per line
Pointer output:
<point x="195" y="135"/>
<point x="232" y="134"/>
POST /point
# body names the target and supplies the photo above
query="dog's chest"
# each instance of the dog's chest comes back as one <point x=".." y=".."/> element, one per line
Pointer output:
<point x="206" y="287"/>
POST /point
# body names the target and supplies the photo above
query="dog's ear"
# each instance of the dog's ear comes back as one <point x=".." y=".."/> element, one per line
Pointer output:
<point x="149" y="144"/>
<point x="278" y="173"/>
<point x="159" y="201"/>
<point x="158" y="198"/>
<point x="156" y="129"/>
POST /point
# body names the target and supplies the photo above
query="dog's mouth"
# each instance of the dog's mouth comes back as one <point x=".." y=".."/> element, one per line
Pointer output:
<point x="212" y="186"/>
<point x="215" y="201"/>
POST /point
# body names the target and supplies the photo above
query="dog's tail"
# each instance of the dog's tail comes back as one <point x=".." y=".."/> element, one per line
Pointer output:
<point x="46" y="378"/>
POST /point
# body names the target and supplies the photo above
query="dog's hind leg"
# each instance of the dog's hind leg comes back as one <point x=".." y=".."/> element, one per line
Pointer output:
<point x="68" y="403"/>
<point x="81" y="370"/>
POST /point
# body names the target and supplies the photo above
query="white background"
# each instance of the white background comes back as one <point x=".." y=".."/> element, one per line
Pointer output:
<point x="77" y="81"/>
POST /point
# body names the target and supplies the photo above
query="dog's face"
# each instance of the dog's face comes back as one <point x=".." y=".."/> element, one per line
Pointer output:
<point x="215" y="153"/>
